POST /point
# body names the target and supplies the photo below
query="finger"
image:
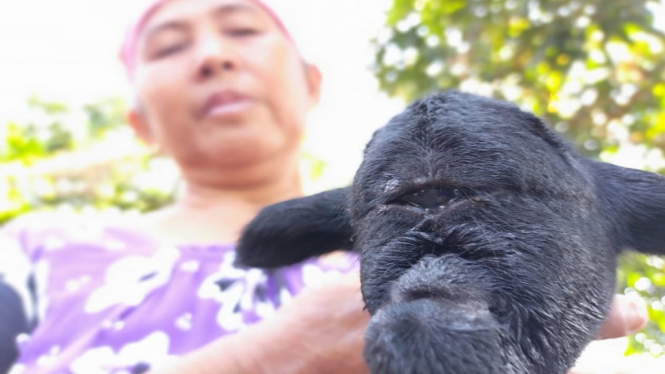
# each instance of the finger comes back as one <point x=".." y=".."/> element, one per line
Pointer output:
<point x="628" y="314"/>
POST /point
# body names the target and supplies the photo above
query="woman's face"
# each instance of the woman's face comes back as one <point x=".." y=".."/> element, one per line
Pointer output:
<point x="219" y="84"/>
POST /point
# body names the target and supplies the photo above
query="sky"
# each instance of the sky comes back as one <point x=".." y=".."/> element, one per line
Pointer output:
<point x="67" y="51"/>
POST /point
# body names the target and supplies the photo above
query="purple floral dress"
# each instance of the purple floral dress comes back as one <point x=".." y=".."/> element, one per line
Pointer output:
<point x="107" y="299"/>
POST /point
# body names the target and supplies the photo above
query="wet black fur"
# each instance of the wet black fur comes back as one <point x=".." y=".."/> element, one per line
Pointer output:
<point x="515" y="277"/>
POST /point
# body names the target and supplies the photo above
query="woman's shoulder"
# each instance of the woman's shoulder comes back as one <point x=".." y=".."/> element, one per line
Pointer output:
<point x="67" y="219"/>
<point x="61" y="226"/>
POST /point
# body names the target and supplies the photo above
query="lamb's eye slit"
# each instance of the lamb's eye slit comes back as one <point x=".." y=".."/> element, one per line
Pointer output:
<point x="431" y="199"/>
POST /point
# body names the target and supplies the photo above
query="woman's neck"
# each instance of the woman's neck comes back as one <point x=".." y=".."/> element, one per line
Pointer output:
<point x="199" y="197"/>
<point x="205" y="213"/>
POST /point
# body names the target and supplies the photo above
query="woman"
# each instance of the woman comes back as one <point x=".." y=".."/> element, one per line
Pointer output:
<point x="221" y="88"/>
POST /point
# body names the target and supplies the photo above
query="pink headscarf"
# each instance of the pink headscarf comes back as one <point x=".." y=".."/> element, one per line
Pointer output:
<point x="129" y="48"/>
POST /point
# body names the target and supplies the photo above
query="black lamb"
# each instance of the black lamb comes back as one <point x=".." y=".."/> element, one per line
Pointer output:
<point x="487" y="243"/>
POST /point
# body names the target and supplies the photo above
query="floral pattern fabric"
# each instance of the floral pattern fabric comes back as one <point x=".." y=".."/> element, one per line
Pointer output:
<point x="109" y="300"/>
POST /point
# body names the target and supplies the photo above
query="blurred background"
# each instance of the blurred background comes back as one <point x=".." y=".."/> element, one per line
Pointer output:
<point x="594" y="69"/>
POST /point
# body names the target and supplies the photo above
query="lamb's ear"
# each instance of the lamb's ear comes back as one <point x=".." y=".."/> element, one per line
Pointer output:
<point x="636" y="202"/>
<point x="294" y="230"/>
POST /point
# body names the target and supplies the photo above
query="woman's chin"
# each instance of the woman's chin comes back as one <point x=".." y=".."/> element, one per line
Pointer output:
<point x="247" y="155"/>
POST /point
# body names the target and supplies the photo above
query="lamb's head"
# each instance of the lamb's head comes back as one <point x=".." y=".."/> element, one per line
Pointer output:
<point x="471" y="206"/>
<point x="487" y="244"/>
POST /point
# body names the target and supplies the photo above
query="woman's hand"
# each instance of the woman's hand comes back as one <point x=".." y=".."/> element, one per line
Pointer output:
<point x="628" y="315"/>
<point x="319" y="331"/>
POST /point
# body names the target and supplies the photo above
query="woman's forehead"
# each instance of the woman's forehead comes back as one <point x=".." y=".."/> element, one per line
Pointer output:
<point x="184" y="10"/>
<point x="177" y="14"/>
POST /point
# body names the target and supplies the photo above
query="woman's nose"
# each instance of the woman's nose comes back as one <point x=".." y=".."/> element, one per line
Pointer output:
<point x="215" y="56"/>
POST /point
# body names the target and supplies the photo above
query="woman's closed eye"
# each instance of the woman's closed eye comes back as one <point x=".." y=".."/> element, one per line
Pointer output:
<point x="169" y="50"/>
<point x="166" y="42"/>
<point x="243" y="24"/>
<point x="241" y="31"/>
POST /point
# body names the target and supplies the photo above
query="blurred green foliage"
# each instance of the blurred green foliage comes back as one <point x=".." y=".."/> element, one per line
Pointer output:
<point x="587" y="67"/>
<point x="76" y="158"/>
<point x="593" y="69"/>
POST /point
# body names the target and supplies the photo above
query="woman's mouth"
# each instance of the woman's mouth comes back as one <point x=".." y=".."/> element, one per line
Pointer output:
<point x="225" y="103"/>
